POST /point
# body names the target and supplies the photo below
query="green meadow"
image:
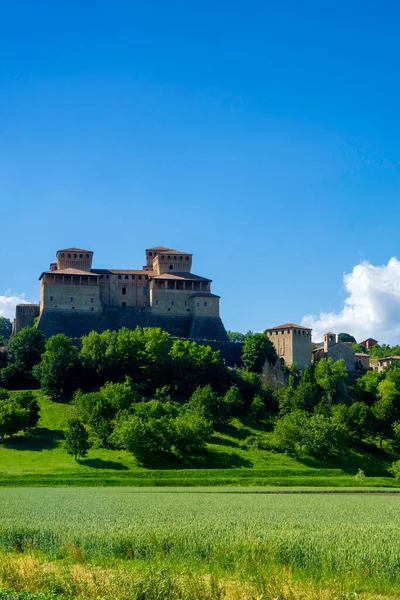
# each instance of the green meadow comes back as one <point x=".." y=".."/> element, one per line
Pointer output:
<point x="40" y="459"/>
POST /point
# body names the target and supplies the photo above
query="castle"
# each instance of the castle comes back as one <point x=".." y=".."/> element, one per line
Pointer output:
<point x="76" y="299"/>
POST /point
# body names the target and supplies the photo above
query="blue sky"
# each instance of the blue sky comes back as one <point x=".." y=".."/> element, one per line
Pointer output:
<point x="261" y="137"/>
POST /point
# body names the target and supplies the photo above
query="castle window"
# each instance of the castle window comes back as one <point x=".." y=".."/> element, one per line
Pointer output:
<point x="185" y="303"/>
<point x="172" y="302"/>
<point x="150" y="254"/>
<point x="181" y="258"/>
<point x="175" y="258"/>
<point x="71" y="299"/>
<point x="81" y="256"/>
<point x="124" y="291"/>
<point x="91" y="300"/>
<point x="87" y="255"/>
<point x="169" y="258"/>
<point x="126" y="276"/>
<point x="69" y="256"/>
<point x="62" y="255"/>
<point x="205" y="303"/>
<point x="171" y="267"/>
<point x="119" y="276"/>
<point x="107" y="277"/>
<point x="146" y="277"/>
<point x="133" y="276"/>
<point x="198" y="303"/>
<point x="187" y="258"/>
<point x="51" y="298"/>
<point x="75" y="256"/>
<point x="124" y="304"/>
<point x="139" y="277"/>
<point x="156" y="302"/>
<point x="162" y="257"/>
<point x="92" y="308"/>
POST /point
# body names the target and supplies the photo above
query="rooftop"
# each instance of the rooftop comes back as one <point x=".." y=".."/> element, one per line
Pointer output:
<point x="289" y="326"/>
<point x="164" y="249"/>
<point x="70" y="272"/>
<point x="181" y="276"/>
<point x="74" y="250"/>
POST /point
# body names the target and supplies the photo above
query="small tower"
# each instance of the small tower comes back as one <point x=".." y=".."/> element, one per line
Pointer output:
<point x="330" y="339"/>
<point x="74" y="258"/>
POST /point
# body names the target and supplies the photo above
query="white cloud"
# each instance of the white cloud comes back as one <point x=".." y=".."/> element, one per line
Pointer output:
<point x="8" y="302"/>
<point x="371" y="309"/>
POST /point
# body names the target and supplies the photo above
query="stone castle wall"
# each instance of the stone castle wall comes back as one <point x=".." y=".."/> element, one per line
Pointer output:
<point x="25" y="314"/>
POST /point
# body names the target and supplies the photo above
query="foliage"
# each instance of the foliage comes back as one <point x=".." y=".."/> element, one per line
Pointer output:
<point x="395" y="469"/>
<point x="28" y="402"/>
<point x="257" y="409"/>
<point x="257" y="350"/>
<point x="360" y="477"/>
<point x="324" y="437"/>
<point x="236" y="336"/>
<point x="207" y="404"/>
<point x="26" y="348"/>
<point x="5" y="329"/>
<point x="13" y="418"/>
<point x="346" y="337"/>
<point x="58" y="371"/>
<point x="76" y="439"/>
<point x="332" y="377"/>
<point x="291" y="430"/>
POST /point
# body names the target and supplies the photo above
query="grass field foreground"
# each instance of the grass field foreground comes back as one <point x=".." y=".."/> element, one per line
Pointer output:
<point x="215" y="540"/>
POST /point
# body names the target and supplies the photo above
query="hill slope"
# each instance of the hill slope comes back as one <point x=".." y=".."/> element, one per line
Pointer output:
<point x="40" y="459"/>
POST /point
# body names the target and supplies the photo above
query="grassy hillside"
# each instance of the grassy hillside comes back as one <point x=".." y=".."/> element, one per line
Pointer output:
<point x="40" y="459"/>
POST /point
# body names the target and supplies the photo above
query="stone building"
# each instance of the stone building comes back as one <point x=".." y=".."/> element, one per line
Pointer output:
<point x="354" y="361"/>
<point x="292" y="344"/>
<point x="76" y="299"/>
<point x="369" y="343"/>
<point x="381" y="363"/>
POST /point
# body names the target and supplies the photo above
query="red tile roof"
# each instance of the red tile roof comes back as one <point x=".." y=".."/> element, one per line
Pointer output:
<point x="289" y="326"/>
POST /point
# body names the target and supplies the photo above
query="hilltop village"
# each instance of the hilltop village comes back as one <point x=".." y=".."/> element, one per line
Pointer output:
<point x="76" y="299"/>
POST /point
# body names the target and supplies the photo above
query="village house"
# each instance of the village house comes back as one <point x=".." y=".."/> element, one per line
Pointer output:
<point x="354" y="361"/>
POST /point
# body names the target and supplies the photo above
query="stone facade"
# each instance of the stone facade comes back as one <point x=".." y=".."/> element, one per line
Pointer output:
<point x="75" y="298"/>
<point x="353" y="361"/>
<point x="292" y="344"/>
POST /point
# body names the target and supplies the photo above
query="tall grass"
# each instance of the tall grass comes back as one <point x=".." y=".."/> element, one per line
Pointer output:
<point x="352" y="539"/>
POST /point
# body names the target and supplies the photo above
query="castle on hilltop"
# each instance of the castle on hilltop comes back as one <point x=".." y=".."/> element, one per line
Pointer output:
<point x="76" y="299"/>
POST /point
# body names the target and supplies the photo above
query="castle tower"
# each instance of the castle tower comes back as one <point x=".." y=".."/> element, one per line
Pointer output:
<point x="292" y="344"/>
<point x="330" y="339"/>
<point x="73" y="258"/>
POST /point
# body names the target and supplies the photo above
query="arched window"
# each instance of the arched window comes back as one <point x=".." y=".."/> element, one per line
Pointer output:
<point x="162" y="257"/>
<point x="175" y="258"/>
<point x="87" y="255"/>
<point x="181" y="258"/>
<point x="169" y="258"/>
<point x="81" y="256"/>
<point x="150" y="254"/>
<point x="187" y="258"/>
<point x="171" y="267"/>
<point x="69" y="256"/>
<point x="75" y="256"/>
<point x="62" y="255"/>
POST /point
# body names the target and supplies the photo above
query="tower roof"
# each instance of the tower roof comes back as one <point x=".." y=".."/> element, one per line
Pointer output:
<point x="74" y="250"/>
<point x="289" y="326"/>
<point x="170" y="250"/>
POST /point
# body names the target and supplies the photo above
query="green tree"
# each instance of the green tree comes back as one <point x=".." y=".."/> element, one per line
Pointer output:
<point x="28" y="401"/>
<point x="332" y="377"/>
<point x="366" y="387"/>
<point x="257" y="349"/>
<point x="5" y="329"/>
<point x="346" y="337"/>
<point x="207" y="404"/>
<point x="257" y="409"/>
<point x="324" y="437"/>
<point x="98" y="356"/>
<point x="196" y="365"/>
<point x="190" y="433"/>
<point x="146" y="439"/>
<point x="385" y="416"/>
<point x="291" y="430"/>
<point x="233" y="401"/>
<point x="235" y="336"/>
<point x="26" y="348"/>
<point x="59" y="368"/>
<point x="76" y="439"/>
<point x="13" y="418"/>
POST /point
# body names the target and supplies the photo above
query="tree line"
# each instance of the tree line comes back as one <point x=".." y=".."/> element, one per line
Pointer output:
<point x="156" y="396"/>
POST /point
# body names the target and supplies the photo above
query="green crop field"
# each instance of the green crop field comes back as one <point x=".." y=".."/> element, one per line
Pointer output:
<point x="220" y="543"/>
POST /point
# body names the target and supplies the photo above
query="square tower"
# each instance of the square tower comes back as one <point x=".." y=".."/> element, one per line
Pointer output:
<point x="292" y="344"/>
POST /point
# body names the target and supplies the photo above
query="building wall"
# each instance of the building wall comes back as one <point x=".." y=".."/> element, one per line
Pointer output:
<point x="292" y="345"/>
<point x="25" y="314"/>
<point x="70" y="297"/>
<point x="170" y="263"/>
<point x="131" y="290"/>
<point x="176" y="302"/>
<point x="343" y="352"/>
<point x="206" y="306"/>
